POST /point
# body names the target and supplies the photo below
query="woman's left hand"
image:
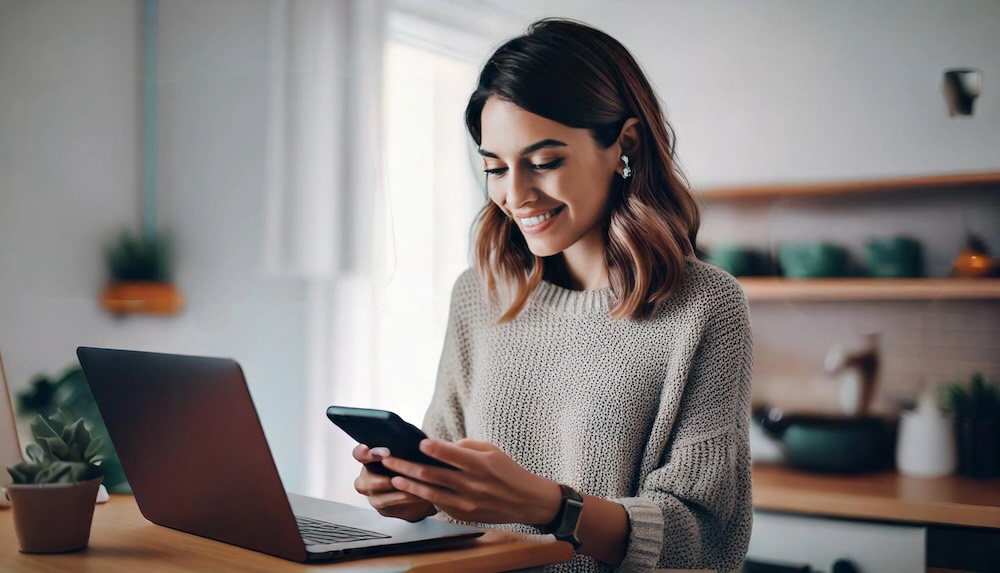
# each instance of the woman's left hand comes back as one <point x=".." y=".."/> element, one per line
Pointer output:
<point x="486" y="487"/>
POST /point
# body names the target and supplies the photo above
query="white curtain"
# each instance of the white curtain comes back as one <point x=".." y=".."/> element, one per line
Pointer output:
<point x="325" y="212"/>
<point x="371" y="192"/>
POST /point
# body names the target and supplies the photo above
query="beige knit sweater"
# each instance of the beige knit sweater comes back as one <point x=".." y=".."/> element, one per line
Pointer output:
<point x="651" y="414"/>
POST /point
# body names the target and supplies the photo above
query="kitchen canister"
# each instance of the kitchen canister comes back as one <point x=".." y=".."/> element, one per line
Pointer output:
<point x="925" y="446"/>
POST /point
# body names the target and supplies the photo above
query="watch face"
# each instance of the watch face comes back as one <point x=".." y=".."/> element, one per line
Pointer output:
<point x="569" y="516"/>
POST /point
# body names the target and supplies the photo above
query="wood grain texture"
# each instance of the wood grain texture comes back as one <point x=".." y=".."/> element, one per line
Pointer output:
<point x="121" y="540"/>
<point x="781" y="289"/>
<point x="888" y="496"/>
<point x="947" y="181"/>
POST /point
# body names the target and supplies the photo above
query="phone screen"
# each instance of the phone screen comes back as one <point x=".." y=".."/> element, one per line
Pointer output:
<point x="382" y="428"/>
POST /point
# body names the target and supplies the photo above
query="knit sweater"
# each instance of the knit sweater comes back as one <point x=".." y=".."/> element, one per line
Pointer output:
<point x="652" y="414"/>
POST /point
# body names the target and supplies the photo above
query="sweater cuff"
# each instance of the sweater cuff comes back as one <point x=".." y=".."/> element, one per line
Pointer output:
<point x="645" y="538"/>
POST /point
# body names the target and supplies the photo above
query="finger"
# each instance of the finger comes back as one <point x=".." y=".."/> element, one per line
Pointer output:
<point x="360" y="453"/>
<point x="439" y="496"/>
<point x="423" y="472"/>
<point x="363" y="454"/>
<point x="369" y="484"/>
<point x="477" y="445"/>
<point x="393" y="500"/>
<point x="459" y="456"/>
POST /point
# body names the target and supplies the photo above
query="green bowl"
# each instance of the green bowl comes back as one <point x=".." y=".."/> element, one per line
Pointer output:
<point x="812" y="260"/>
<point x="736" y="260"/>
<point x="894" y="257"/>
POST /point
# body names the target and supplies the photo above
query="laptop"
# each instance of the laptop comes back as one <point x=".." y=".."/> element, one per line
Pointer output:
<point x="194" y="452"/>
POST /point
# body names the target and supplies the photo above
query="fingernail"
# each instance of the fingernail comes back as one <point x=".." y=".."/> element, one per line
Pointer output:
<point x="380" y="453"/>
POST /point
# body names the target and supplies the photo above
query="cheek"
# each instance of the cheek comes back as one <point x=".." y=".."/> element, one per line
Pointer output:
<point x="495" y="194"/>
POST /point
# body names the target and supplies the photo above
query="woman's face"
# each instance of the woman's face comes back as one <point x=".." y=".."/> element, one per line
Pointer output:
<point x="553" y="180"/>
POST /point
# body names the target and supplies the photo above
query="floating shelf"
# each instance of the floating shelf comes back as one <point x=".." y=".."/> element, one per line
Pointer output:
<point x="907" y="184"/>
<point x="781" y="289"/>
<point x="142" y="298"/>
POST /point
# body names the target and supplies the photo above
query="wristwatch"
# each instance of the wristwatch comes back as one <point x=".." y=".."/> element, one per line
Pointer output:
<point x="567" y="521"/>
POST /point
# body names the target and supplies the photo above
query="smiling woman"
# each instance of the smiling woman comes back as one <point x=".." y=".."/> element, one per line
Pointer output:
<point x="595" y="377"/>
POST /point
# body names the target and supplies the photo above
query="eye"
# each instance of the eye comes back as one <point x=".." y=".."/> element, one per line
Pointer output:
<point x="496" y="171"/>
<point x="549" y="165"/>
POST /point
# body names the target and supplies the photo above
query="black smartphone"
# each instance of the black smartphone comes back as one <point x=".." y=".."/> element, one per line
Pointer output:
<point x="382" y="428"/>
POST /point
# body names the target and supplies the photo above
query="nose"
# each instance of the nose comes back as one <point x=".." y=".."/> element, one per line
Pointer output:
<point x="521" y="189"/>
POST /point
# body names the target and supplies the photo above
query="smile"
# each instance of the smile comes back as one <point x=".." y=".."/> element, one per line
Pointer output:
<point x="535" y="221"/>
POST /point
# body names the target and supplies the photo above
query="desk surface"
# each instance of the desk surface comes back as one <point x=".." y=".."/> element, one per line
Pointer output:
<point x="122" y="540"/>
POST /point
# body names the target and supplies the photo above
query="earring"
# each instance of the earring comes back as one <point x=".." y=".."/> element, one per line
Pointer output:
<point x="626" y="171"/>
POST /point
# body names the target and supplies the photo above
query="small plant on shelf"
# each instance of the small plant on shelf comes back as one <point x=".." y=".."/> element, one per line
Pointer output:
<point x="140" y="269"/>
<point x="976" y="405"/>
<point x="139" y="258"/>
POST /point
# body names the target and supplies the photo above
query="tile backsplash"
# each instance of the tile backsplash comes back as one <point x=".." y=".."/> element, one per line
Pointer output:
<point x="921" y="343"/>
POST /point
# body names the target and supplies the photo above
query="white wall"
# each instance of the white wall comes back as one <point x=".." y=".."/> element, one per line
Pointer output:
<point x="69" y="181"/>
<point x="789" y="90"/>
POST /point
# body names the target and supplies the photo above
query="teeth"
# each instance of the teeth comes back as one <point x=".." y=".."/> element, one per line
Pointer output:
<point x="533" y="221"/>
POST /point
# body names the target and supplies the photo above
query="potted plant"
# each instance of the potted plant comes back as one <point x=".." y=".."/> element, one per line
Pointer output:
<point x="54" y="492"/>
<point x="69" y="391"/>
<point x="977" y="425"/>
<point x="139" y="265"/>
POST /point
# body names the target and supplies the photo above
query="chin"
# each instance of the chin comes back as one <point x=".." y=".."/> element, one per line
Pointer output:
<point x="544" y="249"/>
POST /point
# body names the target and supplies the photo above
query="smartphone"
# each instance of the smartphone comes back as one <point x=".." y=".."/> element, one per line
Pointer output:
<point x="382" y="428"/>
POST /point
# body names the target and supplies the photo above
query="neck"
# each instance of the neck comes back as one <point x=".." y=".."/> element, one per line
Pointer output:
<point x="585" y="264"/>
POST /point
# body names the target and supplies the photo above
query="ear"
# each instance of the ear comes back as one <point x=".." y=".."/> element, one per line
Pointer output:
<point x="630" y="137"/>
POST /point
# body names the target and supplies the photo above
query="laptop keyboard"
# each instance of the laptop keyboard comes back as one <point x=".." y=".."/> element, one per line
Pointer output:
<point x="316" y="532"/>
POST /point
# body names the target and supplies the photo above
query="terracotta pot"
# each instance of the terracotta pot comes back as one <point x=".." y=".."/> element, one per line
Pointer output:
<point x="53" y="518"/>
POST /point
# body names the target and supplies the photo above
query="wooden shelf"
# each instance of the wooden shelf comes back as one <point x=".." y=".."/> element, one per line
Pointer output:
<point x="907" y="184"/>
<point x="781" y="289"/>
<point x="951" y="500"/>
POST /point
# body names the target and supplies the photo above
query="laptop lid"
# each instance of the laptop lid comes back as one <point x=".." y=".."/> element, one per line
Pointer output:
<point x="10" y="447"/>
<point x="192" y="447"/>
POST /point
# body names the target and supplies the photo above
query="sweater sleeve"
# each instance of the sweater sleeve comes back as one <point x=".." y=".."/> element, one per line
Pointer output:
<point x="445" y="417"/>
<point x="693" y="510"/>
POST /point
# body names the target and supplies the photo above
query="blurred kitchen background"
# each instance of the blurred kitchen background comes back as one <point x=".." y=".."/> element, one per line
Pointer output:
<point x="308" y="164"/>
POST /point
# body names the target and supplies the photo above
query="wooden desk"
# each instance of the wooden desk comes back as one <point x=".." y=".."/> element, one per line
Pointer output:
<point x="121" y="540"/>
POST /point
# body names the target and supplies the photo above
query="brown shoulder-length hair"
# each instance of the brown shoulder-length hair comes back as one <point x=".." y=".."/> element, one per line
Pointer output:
<point x="581" y="77"/>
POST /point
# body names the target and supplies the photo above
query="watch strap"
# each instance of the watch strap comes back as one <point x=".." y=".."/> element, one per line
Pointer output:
<point x="566" y="523"/>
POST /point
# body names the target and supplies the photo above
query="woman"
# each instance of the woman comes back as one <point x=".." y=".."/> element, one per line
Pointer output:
<point x="595" y="378"/>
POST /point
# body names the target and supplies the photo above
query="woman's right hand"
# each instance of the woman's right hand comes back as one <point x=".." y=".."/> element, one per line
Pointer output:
<point x="386" y="499"/>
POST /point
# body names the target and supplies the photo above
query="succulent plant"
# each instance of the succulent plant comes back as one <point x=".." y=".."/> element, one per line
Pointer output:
<point x="63" y="452"/>
<point x="139" y="257"/>
<point x="69" y="391"/>
<point x="978" y="400"/>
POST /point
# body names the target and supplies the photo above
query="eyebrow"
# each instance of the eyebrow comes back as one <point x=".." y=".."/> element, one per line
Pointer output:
<point x="529" y="149"/>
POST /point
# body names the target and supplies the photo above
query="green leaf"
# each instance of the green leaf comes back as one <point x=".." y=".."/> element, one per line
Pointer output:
<point x="61" y="417"/>
<point x="57" y="472"/>
<point x="69" y="432"/>
<point x="82" y="435"/>
<point x="41" y="429"/>
<point x="23" y="472"/>
<point x="35" y="453"/>
<point x="56" y="448"/>
<point x="95" y="447"/>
